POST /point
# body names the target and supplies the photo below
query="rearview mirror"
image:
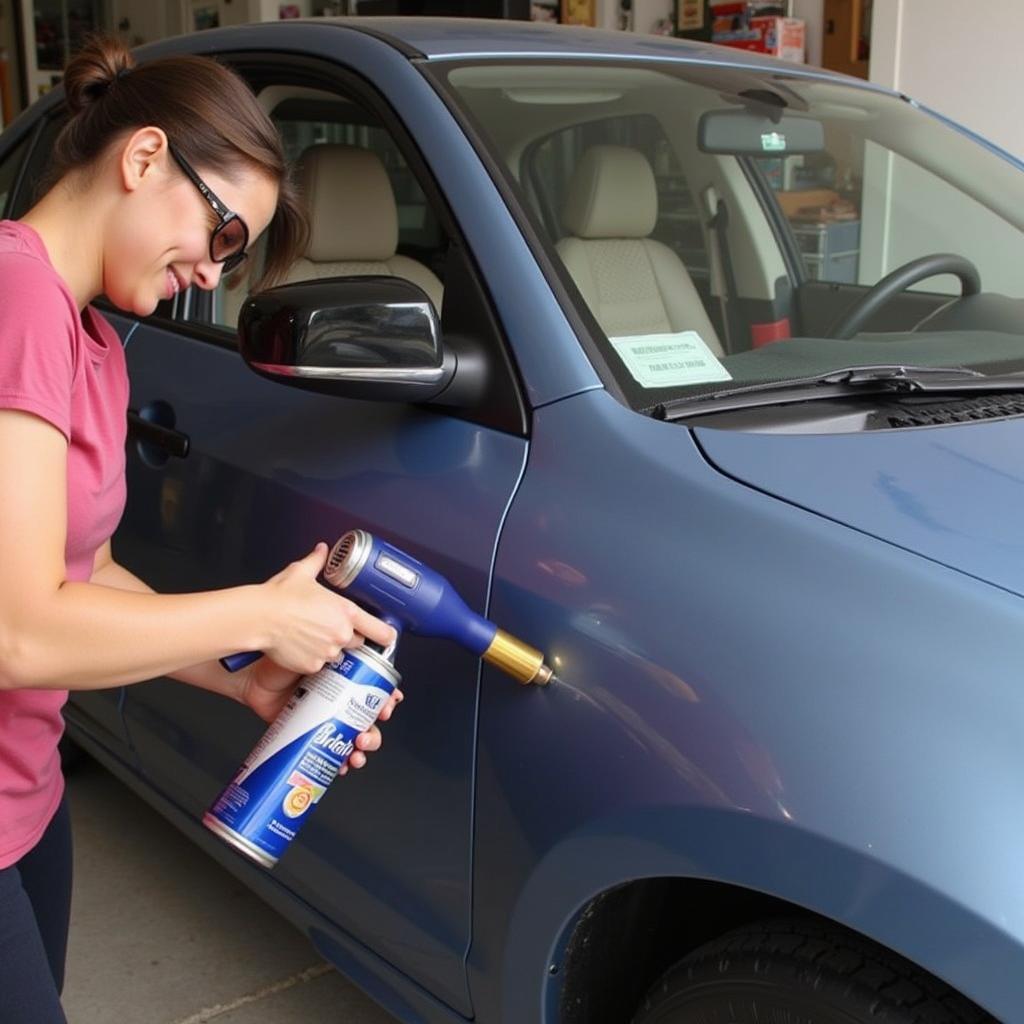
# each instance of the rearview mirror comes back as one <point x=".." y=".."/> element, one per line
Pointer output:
<point x="361" y="337"/>
<point x="742" y="133"/>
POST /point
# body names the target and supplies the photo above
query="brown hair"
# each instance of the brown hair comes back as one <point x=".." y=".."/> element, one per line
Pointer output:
<point x="207" y="111"/>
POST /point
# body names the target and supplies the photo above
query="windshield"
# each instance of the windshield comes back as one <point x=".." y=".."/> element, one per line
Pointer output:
<point x="719" y="227"/>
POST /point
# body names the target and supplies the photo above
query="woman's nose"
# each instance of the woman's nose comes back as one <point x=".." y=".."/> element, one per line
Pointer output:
<point x="207" y="274"/>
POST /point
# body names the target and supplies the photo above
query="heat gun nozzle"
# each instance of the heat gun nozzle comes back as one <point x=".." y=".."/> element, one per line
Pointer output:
<point x="519" y="660"/>
<point x="544" y="676"/>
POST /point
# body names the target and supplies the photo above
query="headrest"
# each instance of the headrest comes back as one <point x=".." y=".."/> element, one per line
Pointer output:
<point x="351" y="205"/>
<point x="612" y="194"/>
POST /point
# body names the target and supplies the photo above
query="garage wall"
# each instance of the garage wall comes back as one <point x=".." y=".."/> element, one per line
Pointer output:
<point x="813" y="13"/>
<point x="962" y="59"/>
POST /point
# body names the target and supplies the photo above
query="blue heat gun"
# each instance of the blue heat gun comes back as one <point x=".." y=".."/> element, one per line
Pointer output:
<point x="410" y="596"/>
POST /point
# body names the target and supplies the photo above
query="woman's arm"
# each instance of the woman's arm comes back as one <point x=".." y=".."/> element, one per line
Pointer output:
<point x="263" y="687"/>
<point x="210" y="675"/>
<point x="56" y="634"/>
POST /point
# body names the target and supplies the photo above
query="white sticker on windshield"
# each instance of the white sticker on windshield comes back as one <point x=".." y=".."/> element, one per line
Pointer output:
<point x="669" y="360"/>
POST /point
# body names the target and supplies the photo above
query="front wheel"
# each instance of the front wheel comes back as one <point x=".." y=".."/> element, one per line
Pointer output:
<point x="799" y="972"/>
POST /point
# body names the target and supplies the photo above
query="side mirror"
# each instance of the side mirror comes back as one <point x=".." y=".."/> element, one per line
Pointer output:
<point x="360" y="337"/>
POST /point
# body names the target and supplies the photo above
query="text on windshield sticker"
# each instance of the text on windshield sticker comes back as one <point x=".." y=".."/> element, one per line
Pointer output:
<point x="669" y="360"/>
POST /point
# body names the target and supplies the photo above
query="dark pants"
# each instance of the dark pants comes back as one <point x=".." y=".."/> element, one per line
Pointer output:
<point x="35" y="903"/>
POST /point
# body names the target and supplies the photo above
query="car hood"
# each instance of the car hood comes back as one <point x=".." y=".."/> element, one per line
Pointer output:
<point x="954" y="494"/>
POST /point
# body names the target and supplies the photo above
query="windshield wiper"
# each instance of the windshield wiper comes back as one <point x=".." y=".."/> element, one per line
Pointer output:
<point x="843" y="382"/>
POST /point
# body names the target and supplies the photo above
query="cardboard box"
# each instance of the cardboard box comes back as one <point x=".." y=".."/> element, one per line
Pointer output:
<point x="783" y="37"/>
<point x="779" y="37"/>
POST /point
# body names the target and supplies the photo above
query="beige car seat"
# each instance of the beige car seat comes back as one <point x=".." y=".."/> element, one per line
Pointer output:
<point x="633" y="284"/>
<point x="353" y="220"/>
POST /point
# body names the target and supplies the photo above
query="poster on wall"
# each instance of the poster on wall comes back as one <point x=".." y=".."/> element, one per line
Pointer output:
<point x="579" y="12"/>
<point x="689" y="15"/>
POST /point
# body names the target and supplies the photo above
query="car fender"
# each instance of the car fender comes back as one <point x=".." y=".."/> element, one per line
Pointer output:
<point x="857" y="891"/>
<point x="747" y="692"/>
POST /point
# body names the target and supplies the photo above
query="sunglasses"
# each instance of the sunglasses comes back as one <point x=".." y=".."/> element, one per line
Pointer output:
<point x="231" y="235"/>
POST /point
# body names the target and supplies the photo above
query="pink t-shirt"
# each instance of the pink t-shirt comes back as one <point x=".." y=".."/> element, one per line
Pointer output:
<point x="69" y="369"/>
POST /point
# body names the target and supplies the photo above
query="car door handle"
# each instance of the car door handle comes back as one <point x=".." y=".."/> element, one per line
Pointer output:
<point x="174" y="442"/>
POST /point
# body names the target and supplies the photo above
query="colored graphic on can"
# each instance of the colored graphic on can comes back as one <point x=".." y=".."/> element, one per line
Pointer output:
<point x="262" y="809"/>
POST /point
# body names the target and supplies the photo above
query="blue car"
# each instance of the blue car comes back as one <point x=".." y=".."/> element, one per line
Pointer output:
<point x="712" y="390"/>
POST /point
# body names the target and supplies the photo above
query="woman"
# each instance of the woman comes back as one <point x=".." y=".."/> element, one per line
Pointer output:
<point x="162" y="177"/>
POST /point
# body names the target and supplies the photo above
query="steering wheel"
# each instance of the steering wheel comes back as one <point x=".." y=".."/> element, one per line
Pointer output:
<point x="899" y="280"/>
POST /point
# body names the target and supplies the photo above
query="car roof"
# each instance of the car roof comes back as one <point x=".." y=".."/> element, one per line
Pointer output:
<point x="448" y="38"/>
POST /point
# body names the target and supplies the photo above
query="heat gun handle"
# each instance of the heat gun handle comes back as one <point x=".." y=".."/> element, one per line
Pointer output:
<point x="234" y="662"/>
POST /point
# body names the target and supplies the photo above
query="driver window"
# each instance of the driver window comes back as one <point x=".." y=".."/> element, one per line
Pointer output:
<point x="369" y="214"/>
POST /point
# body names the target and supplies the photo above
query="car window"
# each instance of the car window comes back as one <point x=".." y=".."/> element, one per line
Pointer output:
<point x="303" y="124"/>
<point x="859" y="208"/>
<point x="550" y="165"/>
<point x="360" y="169"/>
<point x="719" y="226"/>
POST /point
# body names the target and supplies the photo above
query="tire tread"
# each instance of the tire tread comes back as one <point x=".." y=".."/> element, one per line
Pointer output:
<point x="822" y="958"/>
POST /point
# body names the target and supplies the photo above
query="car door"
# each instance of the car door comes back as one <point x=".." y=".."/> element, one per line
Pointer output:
<point x="269" y="471"/>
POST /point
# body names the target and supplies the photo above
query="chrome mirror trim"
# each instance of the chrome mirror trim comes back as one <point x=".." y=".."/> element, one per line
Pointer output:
<point x="396" y="375"/>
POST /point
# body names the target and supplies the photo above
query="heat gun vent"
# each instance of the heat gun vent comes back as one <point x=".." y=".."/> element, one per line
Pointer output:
<point x="961" y="410"/>
<point x="340" y="553"/>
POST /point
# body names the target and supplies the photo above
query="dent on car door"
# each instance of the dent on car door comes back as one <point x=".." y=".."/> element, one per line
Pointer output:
<point x="270" y="471"/>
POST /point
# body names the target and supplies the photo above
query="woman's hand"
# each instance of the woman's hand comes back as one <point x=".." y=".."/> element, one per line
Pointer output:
<point x="266" y="687"/>
<point x="308" y="624"/>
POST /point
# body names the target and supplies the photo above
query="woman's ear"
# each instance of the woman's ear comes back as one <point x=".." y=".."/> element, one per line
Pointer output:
<point x="144" y="154"/>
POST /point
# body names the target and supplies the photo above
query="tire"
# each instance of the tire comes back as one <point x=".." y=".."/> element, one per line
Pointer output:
<point x="799" y="972"/>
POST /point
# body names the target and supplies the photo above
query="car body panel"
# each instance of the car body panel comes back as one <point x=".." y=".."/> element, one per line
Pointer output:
<point x="915" y="488"/>
<point x="804" y="721"/>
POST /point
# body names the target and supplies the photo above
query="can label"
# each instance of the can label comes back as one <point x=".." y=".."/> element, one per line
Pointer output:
<point x="264" y="806"/>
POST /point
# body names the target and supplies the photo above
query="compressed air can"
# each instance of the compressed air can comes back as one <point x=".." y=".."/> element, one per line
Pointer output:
<point x="264" y="806"/>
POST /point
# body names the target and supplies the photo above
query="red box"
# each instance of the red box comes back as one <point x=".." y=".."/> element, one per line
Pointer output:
<point x="783" y="37"/>
<point x="779" y="37"/>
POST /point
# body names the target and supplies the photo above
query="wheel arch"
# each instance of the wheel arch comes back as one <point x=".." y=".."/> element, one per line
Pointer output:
<point x="581" y="917"/>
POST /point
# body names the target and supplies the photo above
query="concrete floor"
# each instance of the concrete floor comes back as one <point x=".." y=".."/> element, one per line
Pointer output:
<point x="160" y="934"/>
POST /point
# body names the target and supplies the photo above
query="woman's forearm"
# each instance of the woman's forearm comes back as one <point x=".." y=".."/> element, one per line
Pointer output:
<point x="80" y="636"/>
<point x="98" y="635"/>
<point x="209" y="675"/>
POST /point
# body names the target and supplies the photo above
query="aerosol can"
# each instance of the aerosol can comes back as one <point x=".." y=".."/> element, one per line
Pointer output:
<point x="262" y="809"/>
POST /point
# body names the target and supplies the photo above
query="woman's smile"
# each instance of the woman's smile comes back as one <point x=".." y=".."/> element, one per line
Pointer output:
<point x="174" y="284"/>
